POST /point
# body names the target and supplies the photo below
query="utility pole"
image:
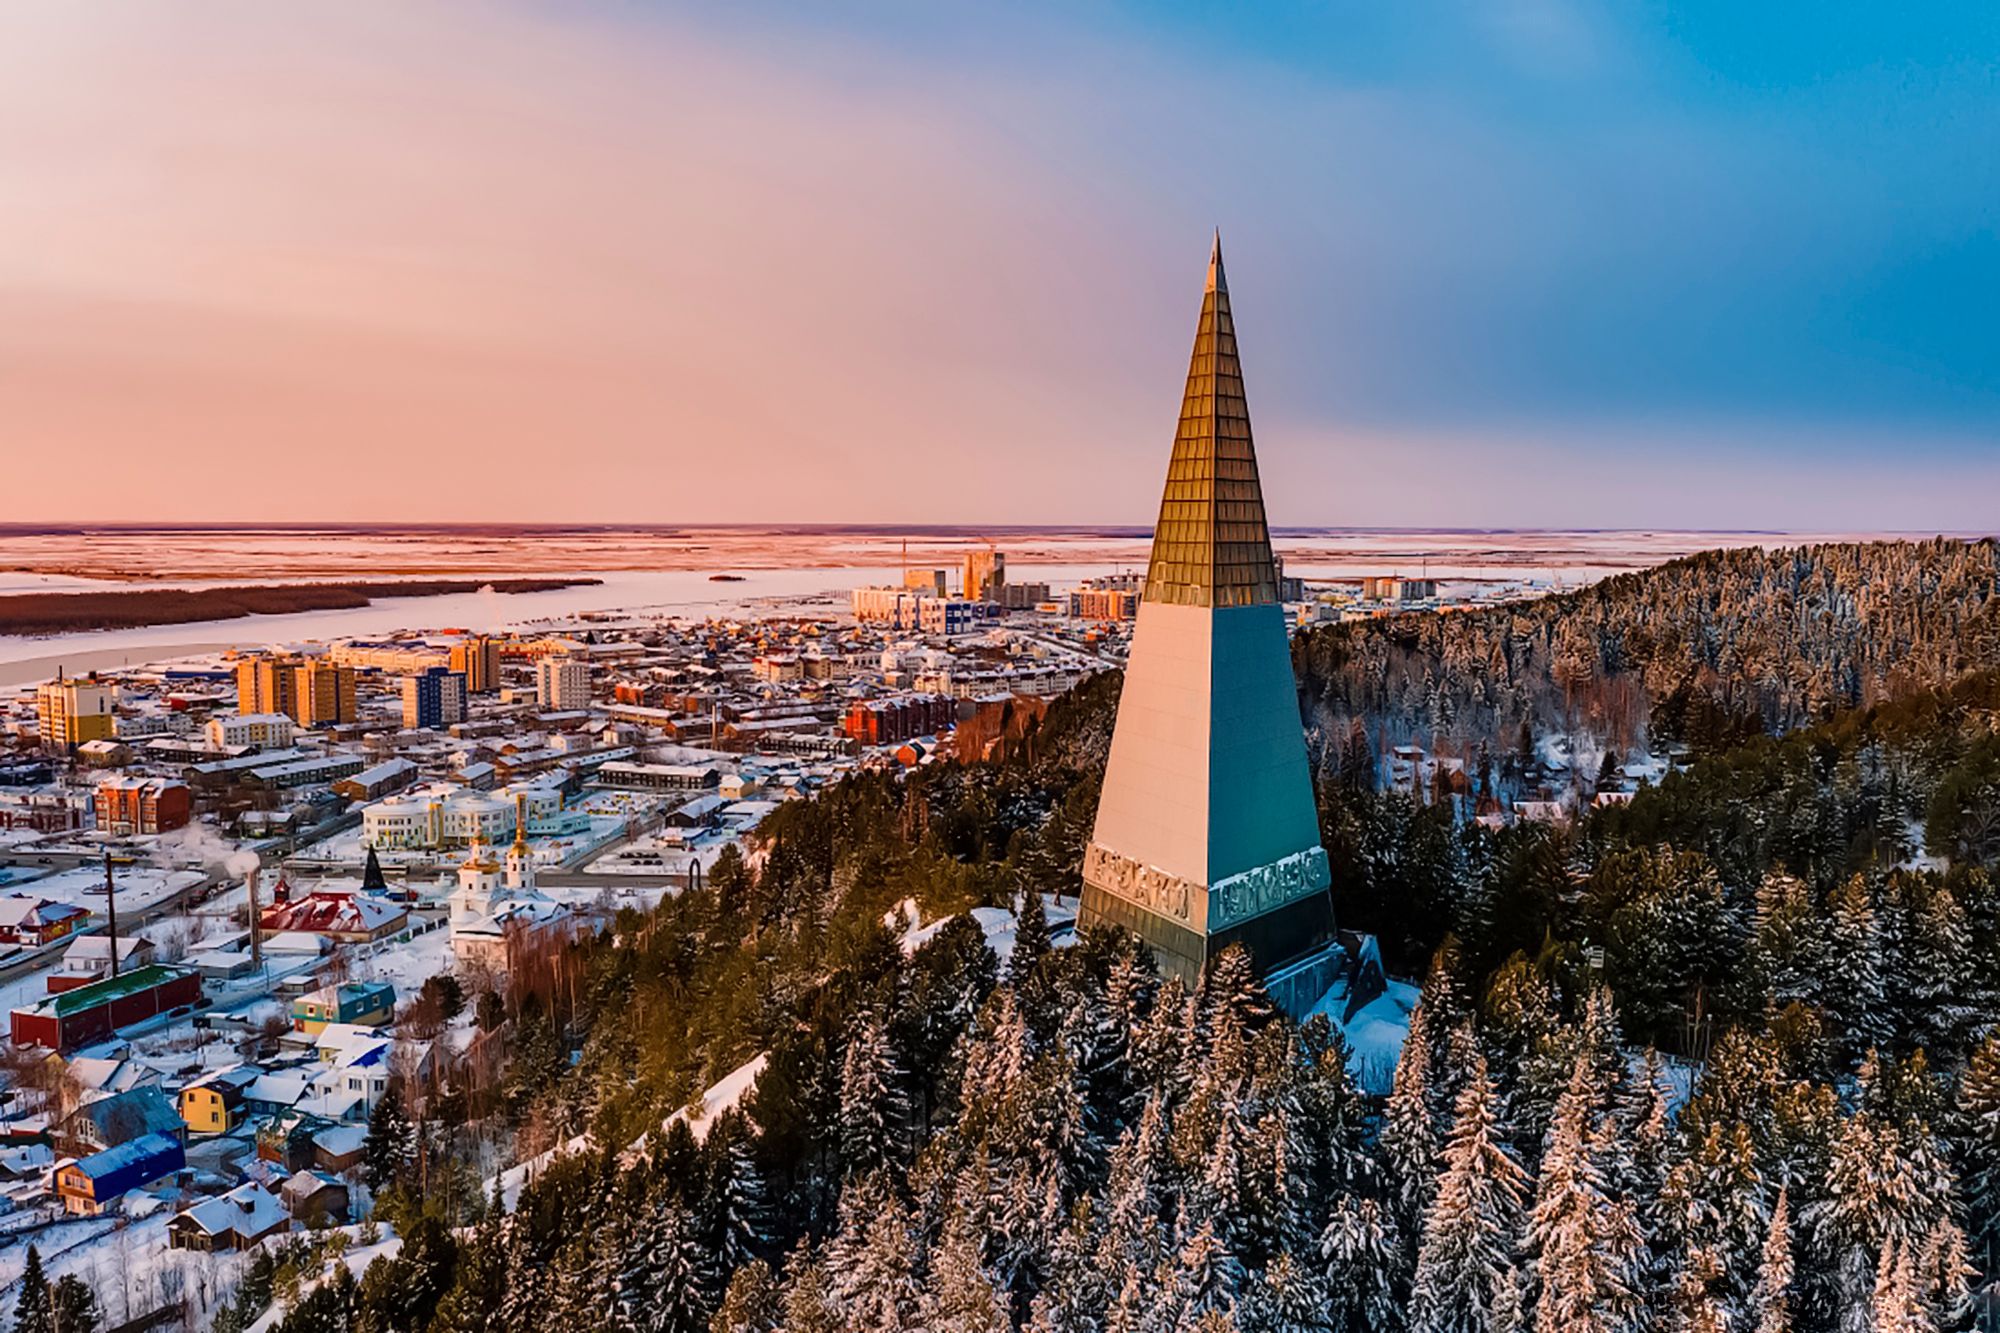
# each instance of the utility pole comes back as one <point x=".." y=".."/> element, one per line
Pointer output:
<point x="256" y="918"/>
<point x="111" y="913"/>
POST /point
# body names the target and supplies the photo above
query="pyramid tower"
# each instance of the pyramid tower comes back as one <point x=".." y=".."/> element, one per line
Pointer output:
<point x="1206" y="831"/>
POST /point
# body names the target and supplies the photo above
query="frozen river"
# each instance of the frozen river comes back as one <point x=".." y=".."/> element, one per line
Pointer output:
<point x="780" y="571"/>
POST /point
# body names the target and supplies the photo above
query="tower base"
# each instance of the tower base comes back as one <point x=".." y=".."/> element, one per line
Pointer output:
<point x="1276" y="940"/>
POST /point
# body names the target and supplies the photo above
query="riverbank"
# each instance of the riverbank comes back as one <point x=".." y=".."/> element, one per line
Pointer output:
<point x="79" y="661"/>
<point x="73" y="612"/>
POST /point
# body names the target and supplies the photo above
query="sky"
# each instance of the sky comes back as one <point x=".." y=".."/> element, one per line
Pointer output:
<point x="1493" y="262"/>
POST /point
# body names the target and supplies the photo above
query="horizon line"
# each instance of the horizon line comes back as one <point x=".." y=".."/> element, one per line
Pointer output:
<point x="25" y="527"/>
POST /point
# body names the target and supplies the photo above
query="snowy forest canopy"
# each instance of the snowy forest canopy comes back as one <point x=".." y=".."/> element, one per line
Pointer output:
<point x="1723" y="1058"/>
<point x="1713" y="647"/>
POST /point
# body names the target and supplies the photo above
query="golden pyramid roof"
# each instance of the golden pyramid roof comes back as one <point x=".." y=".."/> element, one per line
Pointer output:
<point x="1212" y="546"/>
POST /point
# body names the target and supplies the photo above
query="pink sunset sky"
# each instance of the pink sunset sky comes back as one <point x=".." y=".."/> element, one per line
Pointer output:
<point x="433" y="261"/>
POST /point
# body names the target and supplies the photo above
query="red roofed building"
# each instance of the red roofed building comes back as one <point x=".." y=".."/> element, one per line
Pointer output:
<point x="35" y="921"/>
<point x="337" y="914"/>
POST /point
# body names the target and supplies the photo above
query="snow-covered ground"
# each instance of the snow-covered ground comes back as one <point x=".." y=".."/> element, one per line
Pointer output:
<point x="728" y="1093"/>
<point x="405" y="960"/>
<point x="660" y="854"/>
<point x="139" y="887"/>
<point x="130" y="1266"/>
<point x="998" y="923"/>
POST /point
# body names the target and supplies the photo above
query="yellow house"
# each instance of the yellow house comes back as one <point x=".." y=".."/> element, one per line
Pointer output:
<point x="214" y="1105"/>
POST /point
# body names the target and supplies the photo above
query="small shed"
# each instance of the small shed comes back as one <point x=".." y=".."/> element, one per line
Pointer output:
<point x="315" y="1197"/>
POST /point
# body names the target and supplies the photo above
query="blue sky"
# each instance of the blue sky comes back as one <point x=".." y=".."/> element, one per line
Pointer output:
<point x="1523" y="262"/>
<point x="1550" y="207"/>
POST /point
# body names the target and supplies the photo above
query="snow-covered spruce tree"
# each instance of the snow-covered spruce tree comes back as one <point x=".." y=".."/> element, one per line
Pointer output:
<point x="993" y="1085"/>
<point x="809" y="1305"/>
<point x="1031" y="937"/>
<point x="1943" y="1274"/>
<point x="391" y="1145"/>
<point x="873" y="1264"/>
<point x="1771" y="1300"/>
<point x="872" y="1105"/>
<point x="751" y="1303"/>
<point x="1162" y="1048"/>
<point x="1207" y="1277"/>
<point x="581" y="1300"/>
<point x="1281" y="1207"/>
<point x="1714" y="1207"/>
<point x="1079" y="1287"/>
<point x="1857" y="982"/>
<point x="1061" y="1131"/>
<point x="1787" y="942"/>
<point x="1940" y="977"/>
<point x="33" y="1308"/>
<point x="1584" y="1244"/>
<point x="1409" y="1139"/>
<point x="1470" y="1228"/>
<point x="1519" y="1010"/>
<point x="525" y="1292"/>
<point x="1692" y="1304"/>
<point x="1021" y="1232"/>
<point x="1129" y="989"/>
<point x="1363" y="1266"/>
<point x="1976" y="1121"/>
<point x="1136" y="1308"/>
<point x="1229" y="985"/>
<point x="1874" y="1204"/>
<point x="667" y="1276"/>
<point x="1896" y="1306"/>
<point x="1643" y="1115"/>
<point x="1097" y="1045"/>
<point x="1286" y="1297"/>
<point x="960" y="1293"/>
<point x="1135" y="1198"/>
<point x="740" y="1224"/>
<point x="1216" y="1196"/>
<point x="1334" y="1112"/>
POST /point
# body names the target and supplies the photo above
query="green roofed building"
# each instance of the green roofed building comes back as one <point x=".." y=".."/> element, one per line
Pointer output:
<point x="73" y="1018"/>
<point x="1206" y="832"/>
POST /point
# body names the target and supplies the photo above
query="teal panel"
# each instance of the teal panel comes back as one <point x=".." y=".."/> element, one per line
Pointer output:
<point x="1260" y="791"/>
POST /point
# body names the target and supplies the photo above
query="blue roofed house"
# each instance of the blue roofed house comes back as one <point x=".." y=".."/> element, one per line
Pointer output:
<point x="91" y="1184"/>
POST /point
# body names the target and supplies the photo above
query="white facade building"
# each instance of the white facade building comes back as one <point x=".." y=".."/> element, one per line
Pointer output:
<point x="439" y="816"/>
<point x="266" y="731"/>
<point x="562" y="683"/>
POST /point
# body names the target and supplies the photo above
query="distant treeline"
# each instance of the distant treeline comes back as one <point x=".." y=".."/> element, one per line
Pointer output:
<point x="66" y="612"/>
